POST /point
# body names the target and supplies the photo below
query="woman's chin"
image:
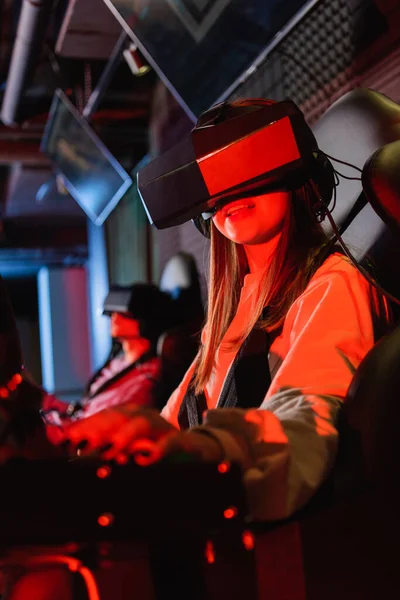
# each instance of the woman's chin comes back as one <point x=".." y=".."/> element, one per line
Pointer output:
<point x="246" y="238"/>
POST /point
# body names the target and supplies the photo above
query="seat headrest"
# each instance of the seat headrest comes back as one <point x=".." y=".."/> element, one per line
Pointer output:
<point x="351" y="130"/>
<point x="180" y="272"/>
<point x="381" y="183"/>
<point x="180" y="278"/>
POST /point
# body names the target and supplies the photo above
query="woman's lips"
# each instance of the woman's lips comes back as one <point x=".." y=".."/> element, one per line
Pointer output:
<point x="235" y="208"/>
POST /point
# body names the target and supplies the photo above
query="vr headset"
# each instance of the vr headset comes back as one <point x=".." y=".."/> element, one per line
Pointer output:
<point x="118" y="300"/>
<point x="145" y="303"/>
<point x="138" y="301"/>
<point x="266" y="149"/>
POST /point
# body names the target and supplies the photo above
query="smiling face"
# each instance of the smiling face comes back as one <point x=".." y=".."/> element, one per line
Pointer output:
<point x="253" y="221"/>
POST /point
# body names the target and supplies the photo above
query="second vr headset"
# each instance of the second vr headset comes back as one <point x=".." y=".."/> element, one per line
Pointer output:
<point x="267" y="148"/>
<point x="144" y="302"/>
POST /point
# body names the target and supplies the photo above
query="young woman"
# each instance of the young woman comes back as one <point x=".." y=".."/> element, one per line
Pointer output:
<point x="289" y="320"/>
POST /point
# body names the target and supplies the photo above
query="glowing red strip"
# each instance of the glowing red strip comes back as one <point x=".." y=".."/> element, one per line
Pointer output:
<point x="72" y="564"/>
<point x="250" y="157"/>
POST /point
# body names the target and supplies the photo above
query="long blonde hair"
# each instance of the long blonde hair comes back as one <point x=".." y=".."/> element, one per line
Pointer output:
<point x="301" y="249"/>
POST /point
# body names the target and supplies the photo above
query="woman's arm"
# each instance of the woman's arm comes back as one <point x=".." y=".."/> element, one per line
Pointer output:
<point x="288" y="446"/>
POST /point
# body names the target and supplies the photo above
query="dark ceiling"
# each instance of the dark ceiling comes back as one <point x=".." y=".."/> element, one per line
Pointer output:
<point x="71" y="53"/>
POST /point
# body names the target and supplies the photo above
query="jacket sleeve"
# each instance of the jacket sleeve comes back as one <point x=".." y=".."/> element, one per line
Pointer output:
<point x="288" y="445"/>
<point x="140" y="386"/>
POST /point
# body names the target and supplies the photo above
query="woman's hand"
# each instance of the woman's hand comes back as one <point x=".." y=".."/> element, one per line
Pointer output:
<point x="112" y="431"/>
<point x="126" y="430"/>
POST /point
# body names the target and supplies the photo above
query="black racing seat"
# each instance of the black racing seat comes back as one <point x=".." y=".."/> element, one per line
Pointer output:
<point x="352" y="130"/>
<point x="350" y="546"/>
<point x="344" y="544"/>
<point x="372" y="408"/>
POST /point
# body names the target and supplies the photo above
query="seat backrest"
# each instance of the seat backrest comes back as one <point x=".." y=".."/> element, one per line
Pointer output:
<point x="371" y="414"/>
<point x="363" y="128"/>
<point x="180" y="278"/>
<point x="178" y="346"/>
<point x="351" y="130"/>
<point x="371" y="410"/>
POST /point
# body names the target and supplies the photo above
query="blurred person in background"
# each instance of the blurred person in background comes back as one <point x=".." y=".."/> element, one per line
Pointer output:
<point x="133" y="372"/>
